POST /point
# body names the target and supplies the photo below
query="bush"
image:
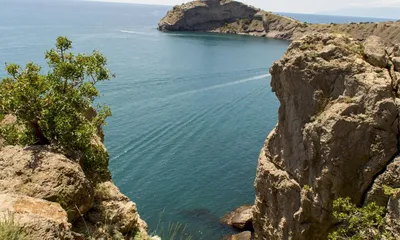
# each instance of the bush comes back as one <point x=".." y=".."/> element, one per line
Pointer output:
<point x="9" y="230"/>
<point x="358" y="223"/>
<point x="52" y="108"/>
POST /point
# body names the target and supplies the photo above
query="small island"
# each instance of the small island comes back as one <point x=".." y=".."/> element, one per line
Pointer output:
<point x="232" y="17"/>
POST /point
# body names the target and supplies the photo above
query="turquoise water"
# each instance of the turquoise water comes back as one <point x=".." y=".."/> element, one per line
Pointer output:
<point x="191" y="110"/>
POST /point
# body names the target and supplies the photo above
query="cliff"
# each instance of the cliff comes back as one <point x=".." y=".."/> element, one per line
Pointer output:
<point x="337" y="135"/>
<point x="49" y="196"/>
<point x="227" y="16"/>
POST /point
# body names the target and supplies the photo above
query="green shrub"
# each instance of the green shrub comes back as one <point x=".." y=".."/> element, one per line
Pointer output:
<point x="53" y="107"/>
<point x="9" y="230"/>
<point x="173" y="231"/>
<point x="358" y="223"/>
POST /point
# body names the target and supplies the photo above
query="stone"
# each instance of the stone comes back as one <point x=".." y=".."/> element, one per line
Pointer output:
<point x="375" y="52"/>
<point x="338" y="124"/>
<point x="40" y="219"/>
<point x="240" y="236"/>
<point x="37" y="172"/>
<point x="240" y="218"/>
<point x="396" y="63"/>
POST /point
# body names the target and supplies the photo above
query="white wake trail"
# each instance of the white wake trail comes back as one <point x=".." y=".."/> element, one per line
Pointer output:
<point x="135" y="32"/>
<point x="221" y="85"/>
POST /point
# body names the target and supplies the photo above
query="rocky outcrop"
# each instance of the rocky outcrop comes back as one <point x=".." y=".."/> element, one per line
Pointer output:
<point x="37" y="172"/>
<point x="226" y="16"/>
<point x="50" y="195"/>
<point x="337" y="132"/>
<point x="39" y="218"/>
<point x="205" y="15"/>
<point x="114" y="208"/>
<point x="241" y="218"/>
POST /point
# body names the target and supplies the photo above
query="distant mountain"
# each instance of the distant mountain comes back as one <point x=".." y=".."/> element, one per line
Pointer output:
<point x="383" y="12"/>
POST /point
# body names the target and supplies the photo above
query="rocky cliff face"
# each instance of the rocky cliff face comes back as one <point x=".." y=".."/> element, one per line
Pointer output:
<point x="205" y="15"/>
<point x="226" y="16"/>
<point x="337" y="134"/>
<point x="50" y="197"/>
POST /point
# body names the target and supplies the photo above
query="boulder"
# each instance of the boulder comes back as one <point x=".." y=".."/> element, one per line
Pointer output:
<point x="240" y="236"/>
<point x="396" y="63"/>
<point x="40" y="173"/>
<point x="40" y="219"/>
<point x="241" y="218"/>
<point x="113" y="208"/>
<point x="338" y="124"/>
<point x="375" y="51"/>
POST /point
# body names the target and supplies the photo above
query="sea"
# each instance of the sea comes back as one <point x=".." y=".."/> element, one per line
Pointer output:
<point x="191" y="111"/>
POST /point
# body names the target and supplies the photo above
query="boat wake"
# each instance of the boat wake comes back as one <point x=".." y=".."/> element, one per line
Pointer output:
<point x="135" y="32"/>
<point x="221" y="85"/>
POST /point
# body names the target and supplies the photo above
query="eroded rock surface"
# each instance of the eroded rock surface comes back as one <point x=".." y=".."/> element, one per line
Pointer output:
<point x="39" y="173"/>
<point x="114" y="208"/>
<point x="40" y="219"/>
<point x="49" y="183"/>
<point x="337" y="131"/>
<point x="240" y="218"/>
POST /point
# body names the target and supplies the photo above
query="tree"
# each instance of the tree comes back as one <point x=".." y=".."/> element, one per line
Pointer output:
<point x="52" y="108"/>
<point x="365" y="223"/>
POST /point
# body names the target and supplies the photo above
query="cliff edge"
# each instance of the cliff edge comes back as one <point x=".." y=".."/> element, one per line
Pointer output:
<point x="337" y="135"/>
<point x="227" y="16"/>
<point x="50" y="197"/>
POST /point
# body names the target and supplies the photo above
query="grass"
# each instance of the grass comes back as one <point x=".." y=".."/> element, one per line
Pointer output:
<point x="10" y="230"/>
<point x="174" y="231"/>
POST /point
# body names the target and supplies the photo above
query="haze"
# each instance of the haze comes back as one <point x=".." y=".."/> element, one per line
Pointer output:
<point x="353" y="7"/>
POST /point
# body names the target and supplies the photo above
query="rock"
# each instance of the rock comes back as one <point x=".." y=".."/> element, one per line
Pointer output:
<point x="240" y="218"/>
<point x="390" y="177"/>
<point x="227" y="16"/>
<point x="240" y="236"/>
<point x="113" y="208"/>
<point x="375" y="52"/>
<point x="39" y="173"/>
<point x="205" y="15"/>
<point x="392" y="217"/>
<point x="40" y="219"/>
<point x="338" y="124"/>
<point x="396" y="63"/>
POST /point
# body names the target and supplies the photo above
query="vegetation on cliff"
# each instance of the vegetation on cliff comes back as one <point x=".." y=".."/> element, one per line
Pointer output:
<point x="56" y="108"/>
<point x="10" y="230"/>
<point x="358" y="223"/>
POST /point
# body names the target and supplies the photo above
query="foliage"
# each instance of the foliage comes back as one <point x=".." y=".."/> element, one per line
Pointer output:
<point x="358" y="223"/>
<point x="174" y="231"/>
<point x="390" y="191"/>
<point x="55" y="108"/>
<point x="9" y="229"/>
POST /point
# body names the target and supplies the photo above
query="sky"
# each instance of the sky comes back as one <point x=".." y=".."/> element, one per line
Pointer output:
<point x="297" y="6"/>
